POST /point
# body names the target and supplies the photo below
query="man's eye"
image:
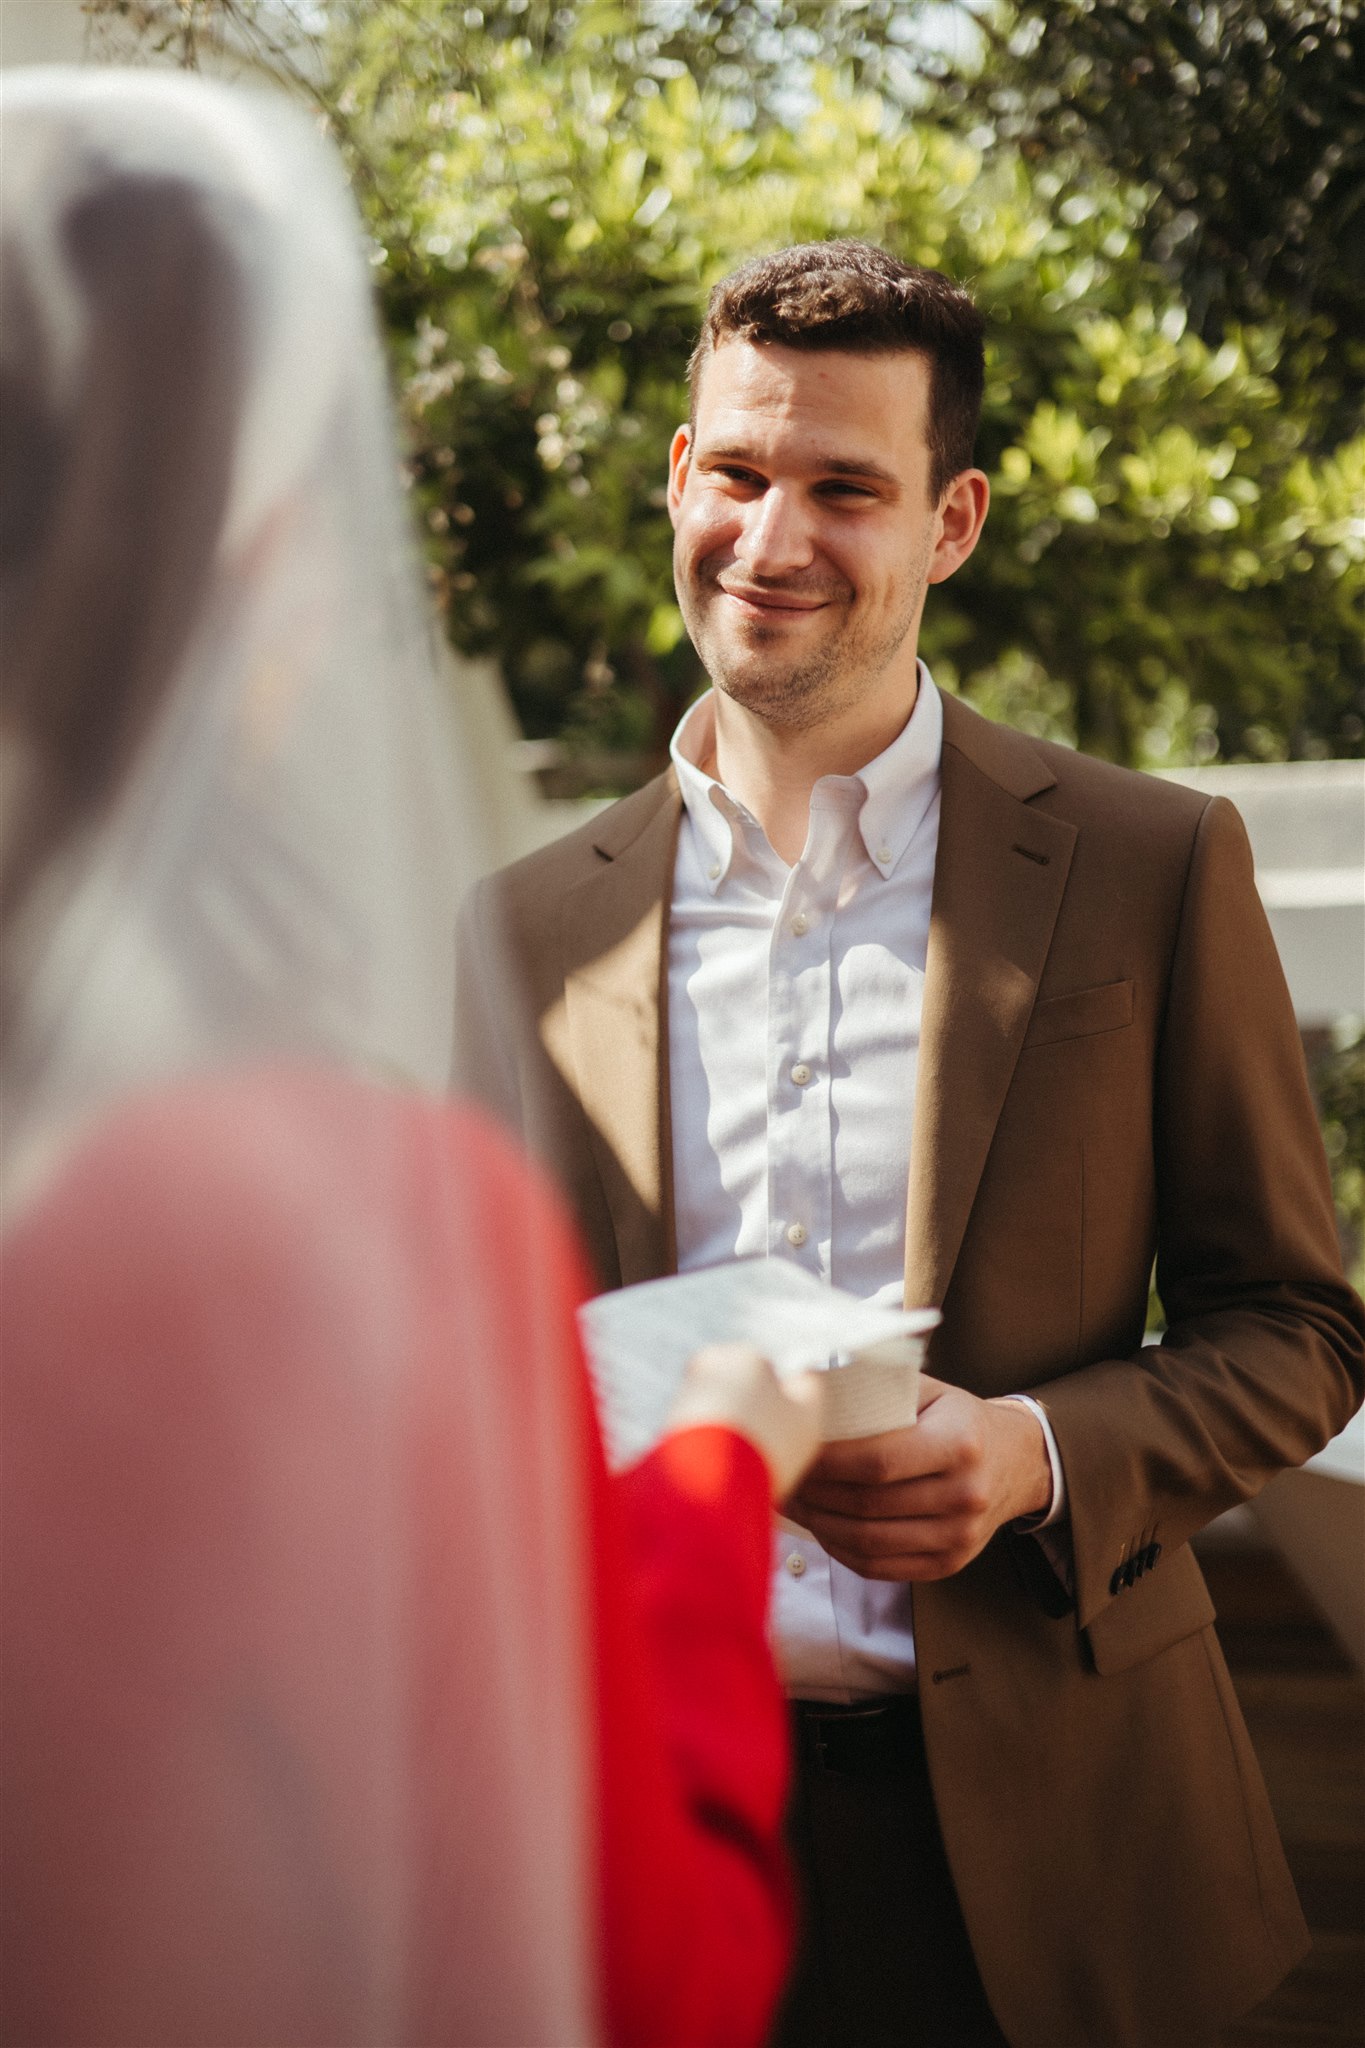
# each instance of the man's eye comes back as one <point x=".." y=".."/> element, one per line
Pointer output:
<point x="838" y="488"/>
<point x="734" y="475"/>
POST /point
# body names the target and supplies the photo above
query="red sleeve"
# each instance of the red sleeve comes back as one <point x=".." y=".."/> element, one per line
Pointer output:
<point x="692" y="1746"/>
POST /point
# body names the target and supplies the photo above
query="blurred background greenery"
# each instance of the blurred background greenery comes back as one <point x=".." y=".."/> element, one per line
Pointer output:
<point x="1159" y="203"/>
<point x="1338" y="1076"/>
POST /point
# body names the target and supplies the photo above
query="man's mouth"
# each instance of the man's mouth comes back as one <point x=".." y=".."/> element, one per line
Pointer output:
<point x="772" y="603"/>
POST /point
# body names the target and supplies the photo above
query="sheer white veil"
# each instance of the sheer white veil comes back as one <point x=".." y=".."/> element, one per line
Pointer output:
<point x="237" y="825"/>
<point x="278" y="871"/>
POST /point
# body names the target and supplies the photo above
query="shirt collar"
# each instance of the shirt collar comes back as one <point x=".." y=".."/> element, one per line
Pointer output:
<point x="899" y="785"/>
<point x="713" y="812"/>
<point x="903" y="781"/>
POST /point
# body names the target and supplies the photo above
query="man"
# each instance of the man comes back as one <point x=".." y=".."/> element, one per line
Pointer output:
<point x="928" y="1008"/>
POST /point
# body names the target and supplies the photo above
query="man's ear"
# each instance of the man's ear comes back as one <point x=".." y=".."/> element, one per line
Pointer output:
<point x="679" y="462"/>
<point x="960" y="517"/>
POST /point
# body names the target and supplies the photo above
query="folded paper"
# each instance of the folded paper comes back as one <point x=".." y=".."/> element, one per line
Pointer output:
<point x="639" y="1339"/>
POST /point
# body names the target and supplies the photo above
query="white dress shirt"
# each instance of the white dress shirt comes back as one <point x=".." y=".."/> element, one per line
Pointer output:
<point x="795" y="996"/>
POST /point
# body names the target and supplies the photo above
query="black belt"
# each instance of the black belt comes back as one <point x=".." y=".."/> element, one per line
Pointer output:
<point x="871" y="1739"/>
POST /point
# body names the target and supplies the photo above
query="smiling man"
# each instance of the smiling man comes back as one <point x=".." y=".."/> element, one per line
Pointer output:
<point x="944" y="1014"/>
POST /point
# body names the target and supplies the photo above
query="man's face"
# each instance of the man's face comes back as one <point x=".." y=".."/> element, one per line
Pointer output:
<point x="804" y="531"/>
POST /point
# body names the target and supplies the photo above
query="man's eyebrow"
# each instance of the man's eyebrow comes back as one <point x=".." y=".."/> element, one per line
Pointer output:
<point x="834" y="465"/>
<point x="857" y="466"/>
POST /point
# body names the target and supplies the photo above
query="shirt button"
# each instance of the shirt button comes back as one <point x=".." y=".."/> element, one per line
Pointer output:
<point x="800" y="924"/>
<point x="796" y="1234"/>
<point x="800" y="1073"/>
<point x="883" y="854"/>
<point x="714" y="871"/>
<point x="796" y="1565"/>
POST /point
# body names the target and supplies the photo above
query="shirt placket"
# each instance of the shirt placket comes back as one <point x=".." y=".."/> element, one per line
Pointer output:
<point x="807" y="925"/>
<point x="800" y="999"/>
<point x="799" y="1147"/>
<point x="802" y="967"/>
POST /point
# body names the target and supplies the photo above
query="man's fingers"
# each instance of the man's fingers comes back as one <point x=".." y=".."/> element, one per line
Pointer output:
<point x="847" y="1538"/>
<point x="946" y="1439"/>
<point x="878" y="1460"/>
<point x="913" y="1569"/>
<point x="943" y="1494"/>
<point x="909" y="1504"/>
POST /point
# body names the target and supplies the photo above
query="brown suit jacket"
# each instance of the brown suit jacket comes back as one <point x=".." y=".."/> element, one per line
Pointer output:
<point x="1109" y="1068"/>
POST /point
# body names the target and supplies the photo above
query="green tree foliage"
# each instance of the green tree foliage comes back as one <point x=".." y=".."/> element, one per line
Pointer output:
<point x="1244" y="121"/>
<point x="1174" y="565"/>
<point x="1170" y="573"/>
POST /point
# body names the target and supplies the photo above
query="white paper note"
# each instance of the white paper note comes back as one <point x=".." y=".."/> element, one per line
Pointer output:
<point x="639" y="1339"/>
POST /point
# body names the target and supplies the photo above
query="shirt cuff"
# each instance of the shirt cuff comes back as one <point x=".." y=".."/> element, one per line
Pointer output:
<point x="1030" y="1524"/>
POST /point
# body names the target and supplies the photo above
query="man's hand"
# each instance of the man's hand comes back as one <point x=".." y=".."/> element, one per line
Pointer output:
<point x="920" y="1503"/>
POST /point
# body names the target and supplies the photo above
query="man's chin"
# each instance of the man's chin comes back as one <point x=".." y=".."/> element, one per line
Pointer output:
<point x="775" y="691"/>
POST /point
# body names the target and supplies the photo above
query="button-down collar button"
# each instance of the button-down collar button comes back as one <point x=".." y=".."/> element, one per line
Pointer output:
<point x="800" y="1073"/>
<point x="796" y="1565"/>
<point x="714" y="871"/>
<point x="800" y="924"/>
<point x="796" y="1234"/>
<point x="883" y="855"/>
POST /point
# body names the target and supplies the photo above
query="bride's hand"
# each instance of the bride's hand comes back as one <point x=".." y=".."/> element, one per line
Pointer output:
<point x="734" y="1385"/>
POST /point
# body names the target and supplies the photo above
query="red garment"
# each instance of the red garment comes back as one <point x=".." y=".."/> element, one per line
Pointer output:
<point x="147" y="1283"/>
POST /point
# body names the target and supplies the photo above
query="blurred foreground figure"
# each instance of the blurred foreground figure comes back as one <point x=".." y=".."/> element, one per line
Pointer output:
<point x="345" y="1699"/>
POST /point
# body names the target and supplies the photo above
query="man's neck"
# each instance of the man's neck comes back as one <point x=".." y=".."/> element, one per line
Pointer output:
<point x="772" y="769"/>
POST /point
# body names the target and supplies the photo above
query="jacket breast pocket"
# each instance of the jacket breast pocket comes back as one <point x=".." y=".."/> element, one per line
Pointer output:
<point x="1081" y="1014"/>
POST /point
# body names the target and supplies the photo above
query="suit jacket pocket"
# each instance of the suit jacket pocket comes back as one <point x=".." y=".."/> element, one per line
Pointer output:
<point x="1081" y="1014"/>
<point x="1168" y="1604"/>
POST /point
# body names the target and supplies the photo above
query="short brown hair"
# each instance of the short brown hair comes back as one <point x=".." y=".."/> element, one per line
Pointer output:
<point x="854" y="296"/>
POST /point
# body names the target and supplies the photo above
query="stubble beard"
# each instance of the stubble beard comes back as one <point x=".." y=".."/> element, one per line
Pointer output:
<point x="797" y="696"/>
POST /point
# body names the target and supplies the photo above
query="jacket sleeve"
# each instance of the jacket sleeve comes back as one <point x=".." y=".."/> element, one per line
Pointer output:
<point x="1262" y="1359"/>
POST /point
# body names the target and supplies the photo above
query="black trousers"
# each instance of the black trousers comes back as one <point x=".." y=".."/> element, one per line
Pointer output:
<point x="884" y="1960"/>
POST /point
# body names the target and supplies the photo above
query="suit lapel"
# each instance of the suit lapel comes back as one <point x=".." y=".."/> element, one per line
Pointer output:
<point x="998" y="884"/>
<point x="614" y="998"/>
<point x="999" y="879"/>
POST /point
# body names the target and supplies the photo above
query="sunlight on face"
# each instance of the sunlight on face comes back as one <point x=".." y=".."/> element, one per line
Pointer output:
<point x="804" y="531"/>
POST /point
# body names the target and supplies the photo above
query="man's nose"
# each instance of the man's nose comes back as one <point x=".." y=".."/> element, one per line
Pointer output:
<point x="777" y="537"/>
